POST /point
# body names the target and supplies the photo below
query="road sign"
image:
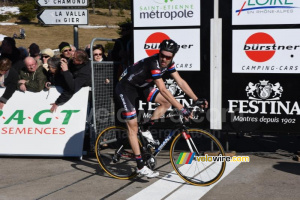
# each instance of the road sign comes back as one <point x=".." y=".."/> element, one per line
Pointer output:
<point x="63" y="3"/>
<point x="64" y="16"/>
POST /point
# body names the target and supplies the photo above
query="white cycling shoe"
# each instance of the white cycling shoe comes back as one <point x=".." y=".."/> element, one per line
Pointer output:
<point x="147" y="134"/>
<point x="145" y="171"/>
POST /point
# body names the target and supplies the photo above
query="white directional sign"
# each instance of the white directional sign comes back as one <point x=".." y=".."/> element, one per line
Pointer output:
<point x="62" y="3"/>
<point x="64" y="16"/>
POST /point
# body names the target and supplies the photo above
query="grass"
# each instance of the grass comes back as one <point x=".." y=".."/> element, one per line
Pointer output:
<point x="52" y="36"/>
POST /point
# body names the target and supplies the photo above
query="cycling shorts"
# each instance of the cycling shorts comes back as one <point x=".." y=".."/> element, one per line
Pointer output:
<point x="127" y="95"/>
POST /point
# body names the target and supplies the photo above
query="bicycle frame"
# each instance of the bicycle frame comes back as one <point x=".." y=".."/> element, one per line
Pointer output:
<point x="182" y="130"/>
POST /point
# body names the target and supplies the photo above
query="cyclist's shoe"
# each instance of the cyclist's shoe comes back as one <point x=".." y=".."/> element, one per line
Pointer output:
<point x="145" y="171"/>
<point x="147" y="134"/>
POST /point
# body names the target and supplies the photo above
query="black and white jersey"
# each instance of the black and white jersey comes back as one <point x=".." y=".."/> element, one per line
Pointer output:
<point x="142" y="73"/>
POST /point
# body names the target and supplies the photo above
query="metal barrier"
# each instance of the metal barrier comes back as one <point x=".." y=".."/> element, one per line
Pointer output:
<point x="102" y="105"/>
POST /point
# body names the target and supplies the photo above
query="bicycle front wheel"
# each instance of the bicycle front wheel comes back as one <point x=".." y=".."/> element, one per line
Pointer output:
<point x="196" y="157"/>
<point x="114" y="153"/>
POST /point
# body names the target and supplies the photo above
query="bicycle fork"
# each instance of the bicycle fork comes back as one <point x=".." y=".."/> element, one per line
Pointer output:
<point x="190" y="142"/>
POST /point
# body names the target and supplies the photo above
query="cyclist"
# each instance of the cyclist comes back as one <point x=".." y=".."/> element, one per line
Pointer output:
<point x="140" y="78"/>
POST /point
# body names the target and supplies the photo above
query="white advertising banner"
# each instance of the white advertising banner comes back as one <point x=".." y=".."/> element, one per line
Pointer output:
<point x="28" y="128"/>
<point x="266" y="51"/>
<point x="162" y="13"/>
<point x="146" y="43"/>
<point x="253" y="12"/>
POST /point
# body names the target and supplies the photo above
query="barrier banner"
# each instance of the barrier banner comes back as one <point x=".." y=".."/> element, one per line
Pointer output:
<point x="27" y="127"/>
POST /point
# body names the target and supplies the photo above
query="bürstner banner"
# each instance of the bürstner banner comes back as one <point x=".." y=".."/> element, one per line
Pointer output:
<point x="253" y="12"/>
<point x="266" y="51"/>
<point x="162" y="13"/>
<point x="27" y="127"/>
<point x="146" y="43"/>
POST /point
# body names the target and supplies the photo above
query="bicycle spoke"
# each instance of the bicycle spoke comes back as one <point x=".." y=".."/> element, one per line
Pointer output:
<point x="198" y="172"/>
<point x="114" y="153"/>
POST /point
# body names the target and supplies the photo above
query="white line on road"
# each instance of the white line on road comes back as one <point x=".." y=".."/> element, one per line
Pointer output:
<point x="173" y="187"/>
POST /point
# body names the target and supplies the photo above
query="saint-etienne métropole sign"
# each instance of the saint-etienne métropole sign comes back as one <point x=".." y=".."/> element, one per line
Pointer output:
<point x="63" y="16"/>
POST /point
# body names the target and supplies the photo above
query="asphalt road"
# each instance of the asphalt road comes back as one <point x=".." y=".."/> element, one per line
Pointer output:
<point x="267" y="176"/>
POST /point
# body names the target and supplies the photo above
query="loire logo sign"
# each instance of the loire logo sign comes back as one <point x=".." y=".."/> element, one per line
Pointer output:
<point x="257" y="5"/>
<point x="153" y="41"/>
<point x="260" y="47"/>
<point x="246" y="12"/>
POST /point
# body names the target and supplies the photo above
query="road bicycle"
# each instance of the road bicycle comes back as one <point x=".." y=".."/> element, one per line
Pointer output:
<point x="191" y="153"/>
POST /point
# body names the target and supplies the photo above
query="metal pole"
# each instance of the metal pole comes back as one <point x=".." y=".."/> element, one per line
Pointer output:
<point x="75" y="28"/>
<point x="216" y="70"/>
<point x="216" y="9"/>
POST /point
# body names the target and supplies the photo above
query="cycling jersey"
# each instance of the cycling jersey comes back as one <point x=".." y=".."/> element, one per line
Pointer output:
<point x="138" y="79"/>
<point x="145" y="71"/>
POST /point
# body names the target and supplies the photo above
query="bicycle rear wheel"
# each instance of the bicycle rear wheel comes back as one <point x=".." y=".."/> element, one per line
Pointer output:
<point x="114" y="153"/>
<point x="187" y="153"/>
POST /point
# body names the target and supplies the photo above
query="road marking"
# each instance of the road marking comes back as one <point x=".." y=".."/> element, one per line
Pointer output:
<point x="172" y="187"/>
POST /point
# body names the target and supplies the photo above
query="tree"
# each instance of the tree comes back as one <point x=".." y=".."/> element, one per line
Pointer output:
<point x="27" y="12"/>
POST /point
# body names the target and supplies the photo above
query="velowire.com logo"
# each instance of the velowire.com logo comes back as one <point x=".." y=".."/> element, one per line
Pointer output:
<point x="189" y="158"/>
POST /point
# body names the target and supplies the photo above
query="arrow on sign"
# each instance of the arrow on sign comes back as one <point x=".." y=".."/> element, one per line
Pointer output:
<point x="64" y="16"/>
<point x="63" y="3"/>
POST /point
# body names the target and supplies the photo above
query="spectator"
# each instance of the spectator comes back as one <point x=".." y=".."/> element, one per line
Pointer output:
<point x="54" y="76"/>
<point x="73" y="49"/>
<point x="23" y="52"/>
<point x="34" y="51"/>
<point x="32" y="77"/>
<point x="8" y="80"/>
<point x="10" y="51"/>
<point x="76" y="73"/>
<point x="22" y="33"/>
<point x="45" y="55"/>
<point x="99" y="56"/>
<point x="122" y="51"/>
<point x="65" y="50"/>
<point x="99" y="53"/>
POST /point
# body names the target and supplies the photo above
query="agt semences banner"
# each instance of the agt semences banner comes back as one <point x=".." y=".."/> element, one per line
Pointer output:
<point x="27" y="127"/>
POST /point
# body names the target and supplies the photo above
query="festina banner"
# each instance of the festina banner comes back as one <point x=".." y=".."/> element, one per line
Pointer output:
<point x="262" y="103"/>
<point x="146" y="43"/>
<point x="162" y="13"/>
<point x="255" y="12"/>
<point x="27" y="127"/>
<point x="266" y="51"/>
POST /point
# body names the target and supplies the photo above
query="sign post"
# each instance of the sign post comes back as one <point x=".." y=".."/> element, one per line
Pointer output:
<point x="64" y="16"/>
<point x="73" y="17"/>
<point x="55" y="3"/>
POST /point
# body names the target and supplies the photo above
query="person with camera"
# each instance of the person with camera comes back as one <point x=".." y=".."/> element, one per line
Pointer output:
<point x="54" y="79"/>
<point x="76" y="74"/>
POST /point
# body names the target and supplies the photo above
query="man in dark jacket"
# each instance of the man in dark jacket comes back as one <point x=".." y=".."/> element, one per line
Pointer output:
<point x="77" y="74"/>
<point x="10" y="51"/>
<point x="32" y="77"/>
<point x="8" y="80"/>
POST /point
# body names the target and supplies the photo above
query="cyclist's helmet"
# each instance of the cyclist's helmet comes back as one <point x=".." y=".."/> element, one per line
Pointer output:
<point x="170" y="46"/>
